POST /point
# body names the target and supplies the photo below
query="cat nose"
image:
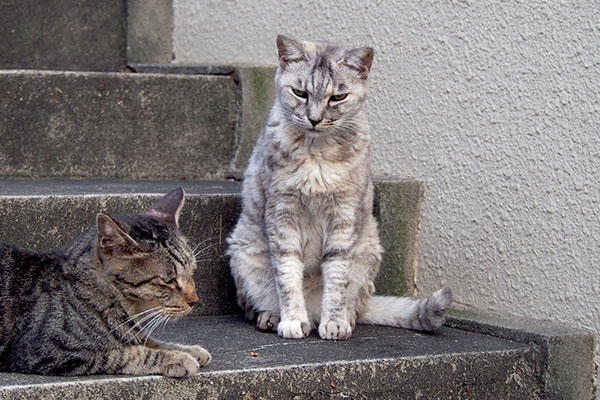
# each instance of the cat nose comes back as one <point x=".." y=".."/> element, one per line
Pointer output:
<point x="314" y="122"/>
<point x="192" y="298"/>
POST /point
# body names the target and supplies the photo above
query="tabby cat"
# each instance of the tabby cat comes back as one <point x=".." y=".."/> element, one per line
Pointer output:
<point x="305" y="251"/>
<point x="90" y="308"/>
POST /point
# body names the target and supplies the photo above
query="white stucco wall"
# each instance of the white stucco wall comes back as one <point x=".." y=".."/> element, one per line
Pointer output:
<point x="495" y="105"/>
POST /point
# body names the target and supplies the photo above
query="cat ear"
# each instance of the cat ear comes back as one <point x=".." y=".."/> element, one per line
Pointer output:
<point x="360" y="60"/>
<point x="290" y="50"/>
<point x="169" y="206"/>
<point x="114" y="239"/>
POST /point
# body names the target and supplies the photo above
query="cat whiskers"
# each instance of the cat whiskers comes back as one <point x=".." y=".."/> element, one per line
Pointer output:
<point x="155" y="312"/>
<point x="201" y="249"/>
<point x="134" y="317"/>
<point x="197" y="247"/>
<point x="205" y="250"/>
<point x="293" y="117"/>
<point x="346" y="131"/>
<point x="150" y="327"/>
<point x="160" y="317"/>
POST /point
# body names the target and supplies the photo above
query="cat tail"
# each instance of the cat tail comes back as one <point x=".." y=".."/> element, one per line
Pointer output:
<point x="426" y="314"/>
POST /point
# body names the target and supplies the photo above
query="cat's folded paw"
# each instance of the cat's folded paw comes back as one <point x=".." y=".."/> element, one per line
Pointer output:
<point x="293" y="329"/>
<point x="199" y="353"/>
<point x="179" y="364"/>
<point x="435" y="310"/>
<point x="335" y="330"/>
<point x="267" y="321"/>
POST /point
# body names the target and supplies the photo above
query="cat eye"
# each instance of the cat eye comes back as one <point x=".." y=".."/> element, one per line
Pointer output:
<point x="300" y="93"/>
<point x="171" y="283"/>
<point x="338" y="97"/>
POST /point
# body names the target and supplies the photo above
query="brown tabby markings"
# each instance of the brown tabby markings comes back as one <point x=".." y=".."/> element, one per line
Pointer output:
<point x="305" y="251"/>
<point x="90" y="308"/>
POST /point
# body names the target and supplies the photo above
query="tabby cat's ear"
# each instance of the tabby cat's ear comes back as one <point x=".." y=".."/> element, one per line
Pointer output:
<point x="114" y="239"/>
<point x="169" y="206"/>
<point x="290" y="50"/>
<point x="360" y="60"/>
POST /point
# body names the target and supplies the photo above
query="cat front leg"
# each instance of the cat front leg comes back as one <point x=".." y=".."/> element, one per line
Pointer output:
<point x="283" y="222"/>
<point x="198" y="352"/>
<point x="141" y="360"/>
<point x="338" y="275"/>
<point x="294" y="323"/>
<point x="335" y="323"/>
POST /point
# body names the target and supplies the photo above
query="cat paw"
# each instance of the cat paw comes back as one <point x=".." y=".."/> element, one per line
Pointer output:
<point x="335" y="330"/>
<point x="267" y="321"/>
<point x="178" y="364"/>
<point x="199" y="353"/>
<point x="293" y="329"/>
<point x="434" y="315"/>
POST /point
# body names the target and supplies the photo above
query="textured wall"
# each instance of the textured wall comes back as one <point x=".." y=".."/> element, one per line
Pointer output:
<point x="495" y="105"/>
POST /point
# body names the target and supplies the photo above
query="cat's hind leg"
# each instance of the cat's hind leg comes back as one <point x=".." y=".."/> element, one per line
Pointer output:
<point x="254" y="280"/>
<point x="267" y="321"/>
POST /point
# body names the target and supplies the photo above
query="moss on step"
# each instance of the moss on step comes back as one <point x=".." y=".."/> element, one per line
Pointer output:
<point x="257" y="96"/>
<point x="398" y="207"/>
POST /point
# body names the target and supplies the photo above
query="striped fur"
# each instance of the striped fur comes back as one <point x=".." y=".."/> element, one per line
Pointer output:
<point x="305" y="251"/>
<point x="90" y="308"/>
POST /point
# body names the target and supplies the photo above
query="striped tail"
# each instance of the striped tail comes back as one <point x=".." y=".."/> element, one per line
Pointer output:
<point x="421" y="315"/>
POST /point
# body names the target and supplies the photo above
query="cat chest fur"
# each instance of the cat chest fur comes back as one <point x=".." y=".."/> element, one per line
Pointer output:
<point x="317" y="215"/>
<point x="317" y="175"/>
<point x="317" y="172"/>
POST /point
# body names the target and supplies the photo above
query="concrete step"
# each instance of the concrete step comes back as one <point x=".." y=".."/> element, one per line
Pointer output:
<point x="66" y="35"/>
<point x="477" y="356"/>
<point x="565" y="356"/>
<point x="192" y="122"/>
<point x="377" y="362"/>
<point x="123" y="125"/>
<point x="49" y="213"/>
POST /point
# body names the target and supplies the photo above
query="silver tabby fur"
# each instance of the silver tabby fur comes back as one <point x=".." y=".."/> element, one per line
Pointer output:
<point x="90" y="308"/>
<point x="305" y="251"/>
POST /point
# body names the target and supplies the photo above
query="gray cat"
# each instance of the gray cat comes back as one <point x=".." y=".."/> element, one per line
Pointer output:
<point x="90" y="308"/>
<point x="305" y="251"/>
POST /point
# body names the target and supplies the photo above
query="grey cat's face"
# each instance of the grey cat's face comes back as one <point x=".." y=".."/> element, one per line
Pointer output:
<point x="149" y="260"/>
<point x="321" y="86"/>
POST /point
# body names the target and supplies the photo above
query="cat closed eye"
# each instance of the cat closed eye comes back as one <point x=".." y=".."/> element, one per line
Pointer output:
<point x="171" y="283"/>
<point x="338" y="97"/>
<point x="300" y="93"/>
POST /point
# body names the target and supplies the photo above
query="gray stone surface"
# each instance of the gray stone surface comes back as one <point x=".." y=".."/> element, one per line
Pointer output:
<point x="376" y="362"/>
<point x="566" y="356"/>
<point x="63" y="34"/>
<point x="140" y="126"/>
<point x="542" y="360"/>
<point x="149" y="31"/>
<point x="48" y="213"/>
<point x="255" y="98"/>
<point x="185" y="69"/>
<point x="398" y="206"/>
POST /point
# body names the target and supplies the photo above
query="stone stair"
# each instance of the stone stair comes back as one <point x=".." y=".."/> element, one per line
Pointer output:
<point x="78" y="137"/>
